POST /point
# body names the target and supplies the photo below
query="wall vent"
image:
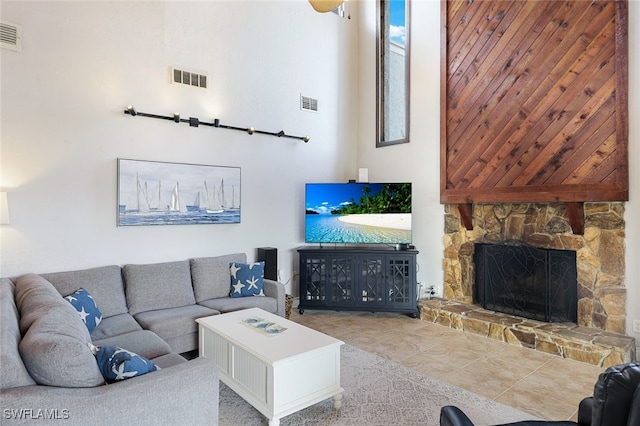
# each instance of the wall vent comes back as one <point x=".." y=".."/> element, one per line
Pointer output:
<point x="308" y="104"/>
<point x="11" y="36"/>
<point x="189" y="78"/>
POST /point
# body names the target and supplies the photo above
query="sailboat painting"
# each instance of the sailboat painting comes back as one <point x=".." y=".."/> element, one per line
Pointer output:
<point x="160" y="193"/>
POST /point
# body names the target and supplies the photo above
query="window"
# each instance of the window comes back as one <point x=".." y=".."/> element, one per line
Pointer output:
<point x="392" y="84"/>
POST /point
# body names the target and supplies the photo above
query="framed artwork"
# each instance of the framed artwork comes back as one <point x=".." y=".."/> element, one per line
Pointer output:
<point x="160" y="193"/>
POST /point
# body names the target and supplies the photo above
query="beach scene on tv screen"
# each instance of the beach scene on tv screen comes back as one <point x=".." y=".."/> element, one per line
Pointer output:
<point x="359" y="213"/>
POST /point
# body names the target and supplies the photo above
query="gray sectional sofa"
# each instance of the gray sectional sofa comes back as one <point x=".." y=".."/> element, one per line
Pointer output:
<point x="48" y="372"/>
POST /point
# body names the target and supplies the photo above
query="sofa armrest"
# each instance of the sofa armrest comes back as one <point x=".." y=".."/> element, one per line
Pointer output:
<point x="585" y="410"/>
<point x="276" y="289"/>
<point x="453" y="416"/>
<point x="186" y="393"/>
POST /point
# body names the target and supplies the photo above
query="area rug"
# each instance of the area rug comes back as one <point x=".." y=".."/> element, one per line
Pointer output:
<point x="377" y="392"/>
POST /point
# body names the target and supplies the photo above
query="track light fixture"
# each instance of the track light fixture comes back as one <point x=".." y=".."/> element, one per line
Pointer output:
<point x="195" y="122"/>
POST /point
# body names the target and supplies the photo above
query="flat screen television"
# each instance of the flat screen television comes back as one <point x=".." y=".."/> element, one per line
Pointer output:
<point x="358" y="213"/>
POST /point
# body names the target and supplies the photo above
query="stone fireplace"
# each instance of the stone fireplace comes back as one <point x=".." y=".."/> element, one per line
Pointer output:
<point x="516" y="278"/>
<point x="598" y="336"/>
<point x="600" y="252"/>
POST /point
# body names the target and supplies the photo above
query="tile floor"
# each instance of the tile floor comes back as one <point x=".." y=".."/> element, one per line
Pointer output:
<point x="543" y="385"/>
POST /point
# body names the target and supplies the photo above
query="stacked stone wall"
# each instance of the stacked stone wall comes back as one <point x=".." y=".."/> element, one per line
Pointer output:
<point x="600" y="252"/>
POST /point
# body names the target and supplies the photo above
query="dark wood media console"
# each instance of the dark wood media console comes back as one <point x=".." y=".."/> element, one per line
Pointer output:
<point x="374" y="280"/>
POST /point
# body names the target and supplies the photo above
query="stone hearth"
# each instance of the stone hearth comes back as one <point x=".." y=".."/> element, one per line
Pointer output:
<point x="599" y="335"/>
<point x="585" y="344"/>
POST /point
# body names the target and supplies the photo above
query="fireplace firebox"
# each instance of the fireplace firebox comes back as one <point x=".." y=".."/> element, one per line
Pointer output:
<point x="518" y="279"/>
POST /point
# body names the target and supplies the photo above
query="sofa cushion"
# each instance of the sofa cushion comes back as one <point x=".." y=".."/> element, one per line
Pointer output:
<point x="247" y="279"/>
<point x="86" y="308"/>
<point x="55" y="344"/>
<point x="230" y="304"/>
<point x="169" y="323"/>
<point x="115" y="325"/>
<point x="143" y="342"/>
<point x="104" y="283"/>
<point x="13" y="371"/>
<point x="169" y="360"/>
<point x="158" y="286"/>
<point x="184" y="343"/>
<point x="211" y="275"/>
<point x="118" y="364"/>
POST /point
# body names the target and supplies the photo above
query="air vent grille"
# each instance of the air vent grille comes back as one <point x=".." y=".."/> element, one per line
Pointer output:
<point x="10" y="36"/>
<point x="188" y="78"/>
<point x="308" y="104"/>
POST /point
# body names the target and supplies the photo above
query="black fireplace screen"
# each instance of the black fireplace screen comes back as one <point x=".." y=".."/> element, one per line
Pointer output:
<point x="515" y="278"/>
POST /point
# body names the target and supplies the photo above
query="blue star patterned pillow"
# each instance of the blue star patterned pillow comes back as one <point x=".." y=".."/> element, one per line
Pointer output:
<point x="89" y="313"/>
<point x="247" y="279"/>
<point x="118" y="364"/>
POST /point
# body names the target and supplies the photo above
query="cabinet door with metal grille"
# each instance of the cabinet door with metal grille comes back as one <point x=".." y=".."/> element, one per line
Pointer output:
<point x="400" y="279"/>
<point x="316" y="289"/>
<point x="372" y="280"/>
<point x="342" y="280"/>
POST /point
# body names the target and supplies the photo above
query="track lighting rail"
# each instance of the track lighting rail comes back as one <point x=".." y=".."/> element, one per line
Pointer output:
<point x="195" y="122"/>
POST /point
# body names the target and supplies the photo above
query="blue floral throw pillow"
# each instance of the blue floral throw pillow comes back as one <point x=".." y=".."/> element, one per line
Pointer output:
<point x="119" y="364"/>
<point x="89" y="313"/>
<point x="247" y="279"/>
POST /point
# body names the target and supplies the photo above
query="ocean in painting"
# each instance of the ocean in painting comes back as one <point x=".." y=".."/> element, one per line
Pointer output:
<point x="326" y="228"/>
<point x="191" y="216"/>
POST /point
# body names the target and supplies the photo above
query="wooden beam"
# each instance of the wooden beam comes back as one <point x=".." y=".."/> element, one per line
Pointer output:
<point x="466" y="215"/>
<point x="575" y="211"/>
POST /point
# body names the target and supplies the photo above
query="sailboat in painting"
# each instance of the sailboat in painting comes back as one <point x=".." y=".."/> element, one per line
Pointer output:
<point x="225" y="200"/>
<point x="196" y="203"/>
<point x="232" y="202"/>
<point x="207" y="200"/>
<point x="155" y="199"/>
<point x="142" y="200"/>
<point x="176" y="205"/>
<point x="214" y="206"/>
<point x="137" y="202"/>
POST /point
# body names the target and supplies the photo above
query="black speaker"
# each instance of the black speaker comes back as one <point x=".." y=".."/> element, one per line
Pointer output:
<point x="269" y="255"/>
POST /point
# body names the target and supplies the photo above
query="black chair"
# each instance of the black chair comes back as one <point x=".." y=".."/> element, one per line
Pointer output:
<point x="615" y="402"/>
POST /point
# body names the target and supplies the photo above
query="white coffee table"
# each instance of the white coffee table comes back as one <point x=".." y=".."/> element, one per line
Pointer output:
<point x="277" y="374"/>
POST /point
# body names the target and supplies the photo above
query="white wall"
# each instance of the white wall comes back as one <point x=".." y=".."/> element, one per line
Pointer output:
<point x="418" y="161"/>
<point x="82" y="63"/>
